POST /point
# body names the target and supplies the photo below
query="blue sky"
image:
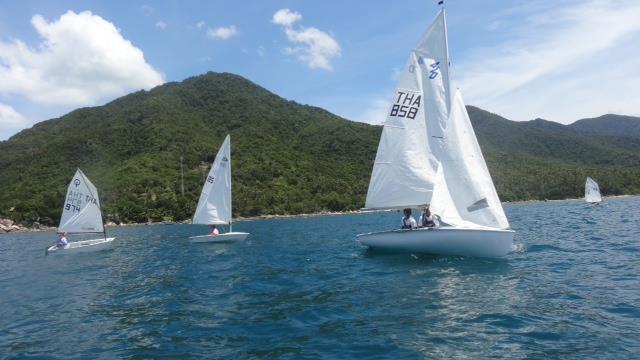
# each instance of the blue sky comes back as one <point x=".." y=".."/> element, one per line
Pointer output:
<point x="560" y="60"/>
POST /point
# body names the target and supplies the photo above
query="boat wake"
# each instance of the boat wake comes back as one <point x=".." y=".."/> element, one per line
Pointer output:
<point x="518" y="248"/>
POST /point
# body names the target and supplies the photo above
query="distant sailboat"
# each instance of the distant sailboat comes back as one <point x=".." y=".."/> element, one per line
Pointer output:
<point x="592" y="191"/>
<point x="214" y="206"/>
<point x="81" y="214"/>
<point x="429" y="154"/>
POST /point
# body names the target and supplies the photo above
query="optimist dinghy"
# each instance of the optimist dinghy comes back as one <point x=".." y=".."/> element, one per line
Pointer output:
<point x="429" y="154"/>
<point x="214" y="206"/>
<point x="81" y="214"/>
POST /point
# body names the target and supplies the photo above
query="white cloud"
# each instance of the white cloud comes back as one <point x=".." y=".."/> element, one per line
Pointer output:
<point x="147" y="9"/>
<point x="10" y="119"/>
<point x="161" y="25"/>
<point x="495" y="25"/>
<point x="261" y="51"/>
<point x="396" y="73"/>
<point x="376" y="113"/>
<point x="566" y="63"/>
<point x="200" y="24"/>
<point x="81" y="60"/>
<point x="223" y="33"/>
<point x="286" y="17"/>
<point x="314" y="47"/>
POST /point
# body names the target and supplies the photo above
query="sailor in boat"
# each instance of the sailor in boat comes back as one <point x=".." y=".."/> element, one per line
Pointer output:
<point x="62" y="240"/>
<point x="426" y="219"/>
<point x="213" y="230"/>
<point x="408" y="222"/>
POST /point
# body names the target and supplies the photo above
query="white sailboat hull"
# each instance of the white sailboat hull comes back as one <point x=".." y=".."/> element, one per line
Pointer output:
<point x="475" y="242"/>
<point x="83" y="246"/>
<point x="220" y="238"/>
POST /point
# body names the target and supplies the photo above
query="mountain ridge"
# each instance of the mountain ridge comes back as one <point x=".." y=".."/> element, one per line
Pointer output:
<point x="287" y="157"/>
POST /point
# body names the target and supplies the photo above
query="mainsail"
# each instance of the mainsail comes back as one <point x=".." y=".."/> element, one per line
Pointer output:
<point x="428" y="151"/>
<point x="592" y="191"/>
<point x="214" y="206"/>
<point x="81" y="211"/>
<point x="404" y="170"/>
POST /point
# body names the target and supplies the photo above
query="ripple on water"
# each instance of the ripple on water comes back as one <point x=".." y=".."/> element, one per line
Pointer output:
<point x="543" y="247"/>
<point x="303" y="288"/>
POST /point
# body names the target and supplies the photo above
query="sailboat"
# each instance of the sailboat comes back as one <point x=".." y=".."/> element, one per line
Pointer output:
<point x="214" y="206"/>
<point x="429" y="155"/>
<point x="81" y="214"/>
<point x="592" y="191"/>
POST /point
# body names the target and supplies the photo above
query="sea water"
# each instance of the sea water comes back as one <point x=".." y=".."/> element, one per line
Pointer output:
<point x="303" y="288"/>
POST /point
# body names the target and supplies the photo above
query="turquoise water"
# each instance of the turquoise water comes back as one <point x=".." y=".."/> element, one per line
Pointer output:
<point x="302" y="288"/>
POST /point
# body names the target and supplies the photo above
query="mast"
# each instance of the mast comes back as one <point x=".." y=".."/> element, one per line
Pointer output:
<point x="230" y="192"/>
<point x="446" y="46"/>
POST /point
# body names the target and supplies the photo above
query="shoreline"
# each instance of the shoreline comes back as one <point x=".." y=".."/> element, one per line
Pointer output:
<point x="567" y="199"/>
<point x="16" y="228"/>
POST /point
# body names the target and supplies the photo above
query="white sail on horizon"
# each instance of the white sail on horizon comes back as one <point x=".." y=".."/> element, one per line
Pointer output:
<point x="592" y="191"/>
<point x="444" y="164"/>
<point x="81" y="211"/>
<point x="214" y="205"/>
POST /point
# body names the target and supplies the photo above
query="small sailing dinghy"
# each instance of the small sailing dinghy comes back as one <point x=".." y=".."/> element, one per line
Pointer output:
<point x="81" y="214"/>
<point x="429" y="154"/>
<point x="592" y="191"/>
<point x="214" y="206"/>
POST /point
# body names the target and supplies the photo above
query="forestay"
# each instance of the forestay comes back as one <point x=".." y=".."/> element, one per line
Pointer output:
<point x="81" y="211"/>
<point x="404" y="169"/>
<point x="214" y="206"/>
<point x="592" y="191"/>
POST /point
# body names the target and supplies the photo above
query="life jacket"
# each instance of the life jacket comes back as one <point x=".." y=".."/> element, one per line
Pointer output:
<point x="427" y="222"/>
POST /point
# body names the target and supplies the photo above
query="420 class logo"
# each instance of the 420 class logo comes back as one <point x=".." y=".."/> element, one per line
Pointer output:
<point x="407" y="104"/>
<point x="435" y="70"/>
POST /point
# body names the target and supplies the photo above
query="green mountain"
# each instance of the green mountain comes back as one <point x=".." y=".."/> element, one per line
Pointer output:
<point x="287" y="158"/>
<point x="540" y="159"/>
<point x="610" y="124"/>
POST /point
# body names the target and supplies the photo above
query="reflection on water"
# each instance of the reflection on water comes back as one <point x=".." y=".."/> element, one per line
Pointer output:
<point x="304" y="288"/>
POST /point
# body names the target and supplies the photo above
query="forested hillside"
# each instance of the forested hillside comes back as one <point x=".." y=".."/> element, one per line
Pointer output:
<point x="540" y="159"/>
<point x="287" y="158"/>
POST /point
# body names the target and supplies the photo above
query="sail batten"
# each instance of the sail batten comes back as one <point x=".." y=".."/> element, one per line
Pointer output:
<point x="214" y="205"/>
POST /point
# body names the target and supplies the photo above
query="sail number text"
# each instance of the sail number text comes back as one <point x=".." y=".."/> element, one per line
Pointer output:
<point x="72" y="207"/>
<point x="407" y="105"/>
<point x="75" y="200"/>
